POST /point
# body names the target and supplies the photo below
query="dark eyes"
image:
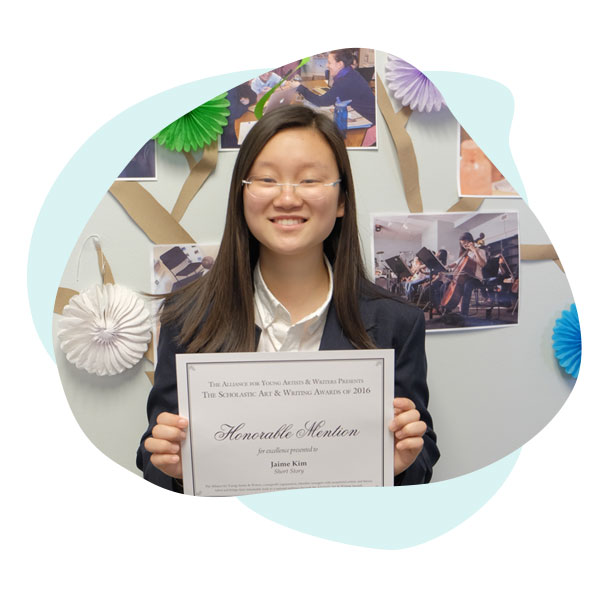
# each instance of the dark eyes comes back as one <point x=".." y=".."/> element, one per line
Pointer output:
<point x="265" y="180"/>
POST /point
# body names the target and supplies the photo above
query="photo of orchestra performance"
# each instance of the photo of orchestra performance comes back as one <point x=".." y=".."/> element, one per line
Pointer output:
<point x="460" y="268"/>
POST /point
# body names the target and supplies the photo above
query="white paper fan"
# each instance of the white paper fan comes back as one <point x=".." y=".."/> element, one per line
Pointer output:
<point x="105" y="330"/>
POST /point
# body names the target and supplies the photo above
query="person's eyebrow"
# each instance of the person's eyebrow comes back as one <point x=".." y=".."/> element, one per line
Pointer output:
<point x="267" y="163"/>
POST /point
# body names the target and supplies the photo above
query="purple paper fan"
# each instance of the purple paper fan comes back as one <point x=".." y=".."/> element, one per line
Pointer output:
<point x="411" y="87"/>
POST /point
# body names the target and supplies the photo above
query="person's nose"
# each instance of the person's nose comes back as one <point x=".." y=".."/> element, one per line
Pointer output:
<point x="288" y="197"/>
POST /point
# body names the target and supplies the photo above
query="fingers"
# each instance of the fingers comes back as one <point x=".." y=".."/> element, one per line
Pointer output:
<point x="407" y="422"/>
<point x="405" y="413"/>
<point x="154" y="445"/>
<point x="409" y="442"/>
<point x="164" y="461"/>
<point x="413" y="445"/>
<point x="170" y="427"/>
<point x="165" y="442"/>
<point x="171" y="419"/>
<point x="404" y="418"/>
<point x="169" y="464"/>
<point x="415" y="429"/>
<point x="170" y="433"/>
<point x="402" y="404"/>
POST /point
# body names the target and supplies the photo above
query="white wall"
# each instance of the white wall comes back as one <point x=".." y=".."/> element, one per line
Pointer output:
<point x="491" y="390"/>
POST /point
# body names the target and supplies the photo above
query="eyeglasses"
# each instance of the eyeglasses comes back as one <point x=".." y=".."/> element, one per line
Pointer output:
<point x="264" y="187"/>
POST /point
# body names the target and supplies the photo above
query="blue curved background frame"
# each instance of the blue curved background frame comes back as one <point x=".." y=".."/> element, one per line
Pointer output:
<point x="387" y="518"/>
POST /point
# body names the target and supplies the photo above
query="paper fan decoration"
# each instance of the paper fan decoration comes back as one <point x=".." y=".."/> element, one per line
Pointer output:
<point x="105" y="330"/>
<point x="567" y="341"/>
<point x="198" y="128"/>
<point x="411" y="87"/>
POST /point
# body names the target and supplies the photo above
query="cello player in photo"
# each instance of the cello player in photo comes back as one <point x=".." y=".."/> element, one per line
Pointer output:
<point x="467" y="274"/>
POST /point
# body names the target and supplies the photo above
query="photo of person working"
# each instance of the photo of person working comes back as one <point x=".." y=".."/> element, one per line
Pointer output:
<point x="347" y="74"/>
<point x="347" y="84"/>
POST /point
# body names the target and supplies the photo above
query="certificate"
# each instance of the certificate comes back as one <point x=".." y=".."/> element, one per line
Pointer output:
<point x="261" y="422"/>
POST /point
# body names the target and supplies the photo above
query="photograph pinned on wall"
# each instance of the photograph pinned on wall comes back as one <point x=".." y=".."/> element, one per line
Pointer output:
<point x="476" y="175"/>
<point x="460" y="268"/>
<point x="173" y="267"/>
<point x="142" y="167"/>
<point x="339" y="83"/>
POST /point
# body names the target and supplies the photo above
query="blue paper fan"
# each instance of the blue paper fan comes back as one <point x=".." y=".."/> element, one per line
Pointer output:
<point x="567" y="341"/>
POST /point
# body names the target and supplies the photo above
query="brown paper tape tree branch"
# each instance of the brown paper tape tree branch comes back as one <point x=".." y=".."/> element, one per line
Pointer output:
<point x="199" y="173"/>
<point x="396" y="122"/>
<point x="153" y="219"/>
<point x="150" y="216"/>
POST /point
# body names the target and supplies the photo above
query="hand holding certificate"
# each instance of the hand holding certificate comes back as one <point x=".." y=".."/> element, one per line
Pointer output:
<point x="164" y="443"/>
<point x="409" y="431"/>
<point x="260" y="422"/>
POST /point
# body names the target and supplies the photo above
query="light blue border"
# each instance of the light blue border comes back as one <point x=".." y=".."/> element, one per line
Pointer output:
<point x="387" y="518"/>
<point x="373" y="517"/>
<point x="485" y="108"/>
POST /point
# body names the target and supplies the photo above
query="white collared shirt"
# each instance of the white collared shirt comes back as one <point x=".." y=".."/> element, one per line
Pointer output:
<point x="272" y="317"/>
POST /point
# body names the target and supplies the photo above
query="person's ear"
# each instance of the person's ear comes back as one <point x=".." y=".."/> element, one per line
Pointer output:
<point x="341" y="206"/>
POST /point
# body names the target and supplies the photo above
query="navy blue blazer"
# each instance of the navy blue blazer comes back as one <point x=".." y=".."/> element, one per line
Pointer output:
<point x="390" y="323"/>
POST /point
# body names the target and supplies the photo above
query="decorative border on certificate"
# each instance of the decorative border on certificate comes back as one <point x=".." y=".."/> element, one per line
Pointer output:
<point x="262" y="422"/>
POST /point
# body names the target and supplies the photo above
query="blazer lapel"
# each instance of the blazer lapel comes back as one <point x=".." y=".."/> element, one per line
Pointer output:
<point x="333" y="337"/>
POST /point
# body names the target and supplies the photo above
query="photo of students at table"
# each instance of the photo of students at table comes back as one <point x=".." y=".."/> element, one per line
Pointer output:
<point x="347" y="84"/>
<point x="265" y="82"/>
<point x="347" y="75"/>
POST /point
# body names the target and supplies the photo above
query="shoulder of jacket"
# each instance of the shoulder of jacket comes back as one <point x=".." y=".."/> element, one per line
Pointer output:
<point x="377" y="303"/>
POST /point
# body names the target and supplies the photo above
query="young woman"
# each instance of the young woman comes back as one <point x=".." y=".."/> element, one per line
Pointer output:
<point x="471" y="273"/>
<point x="289" y="276"/>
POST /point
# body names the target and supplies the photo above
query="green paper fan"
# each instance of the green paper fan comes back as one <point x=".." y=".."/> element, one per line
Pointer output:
<point x="198" y="128"/>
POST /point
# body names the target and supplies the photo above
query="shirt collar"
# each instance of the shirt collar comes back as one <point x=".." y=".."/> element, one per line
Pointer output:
<point x="343" y="72"/>
<point x="270" y="308"/>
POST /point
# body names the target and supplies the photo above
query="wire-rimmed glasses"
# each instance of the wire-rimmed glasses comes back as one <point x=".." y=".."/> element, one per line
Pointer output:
<point x="265" y="187"/>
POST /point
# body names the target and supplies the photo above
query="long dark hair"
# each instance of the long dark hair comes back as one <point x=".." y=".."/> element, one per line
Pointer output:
<point x="216" y="312"/>
<point x="345" y="55"/>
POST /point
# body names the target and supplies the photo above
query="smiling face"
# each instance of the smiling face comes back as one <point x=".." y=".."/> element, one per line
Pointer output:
<point x="333" y="65"/>
<point x="288" y="225"/>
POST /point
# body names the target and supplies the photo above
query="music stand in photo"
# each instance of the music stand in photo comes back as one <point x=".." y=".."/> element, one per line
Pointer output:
<point x="398" y="268"/>
<point x="433" y="264"/>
